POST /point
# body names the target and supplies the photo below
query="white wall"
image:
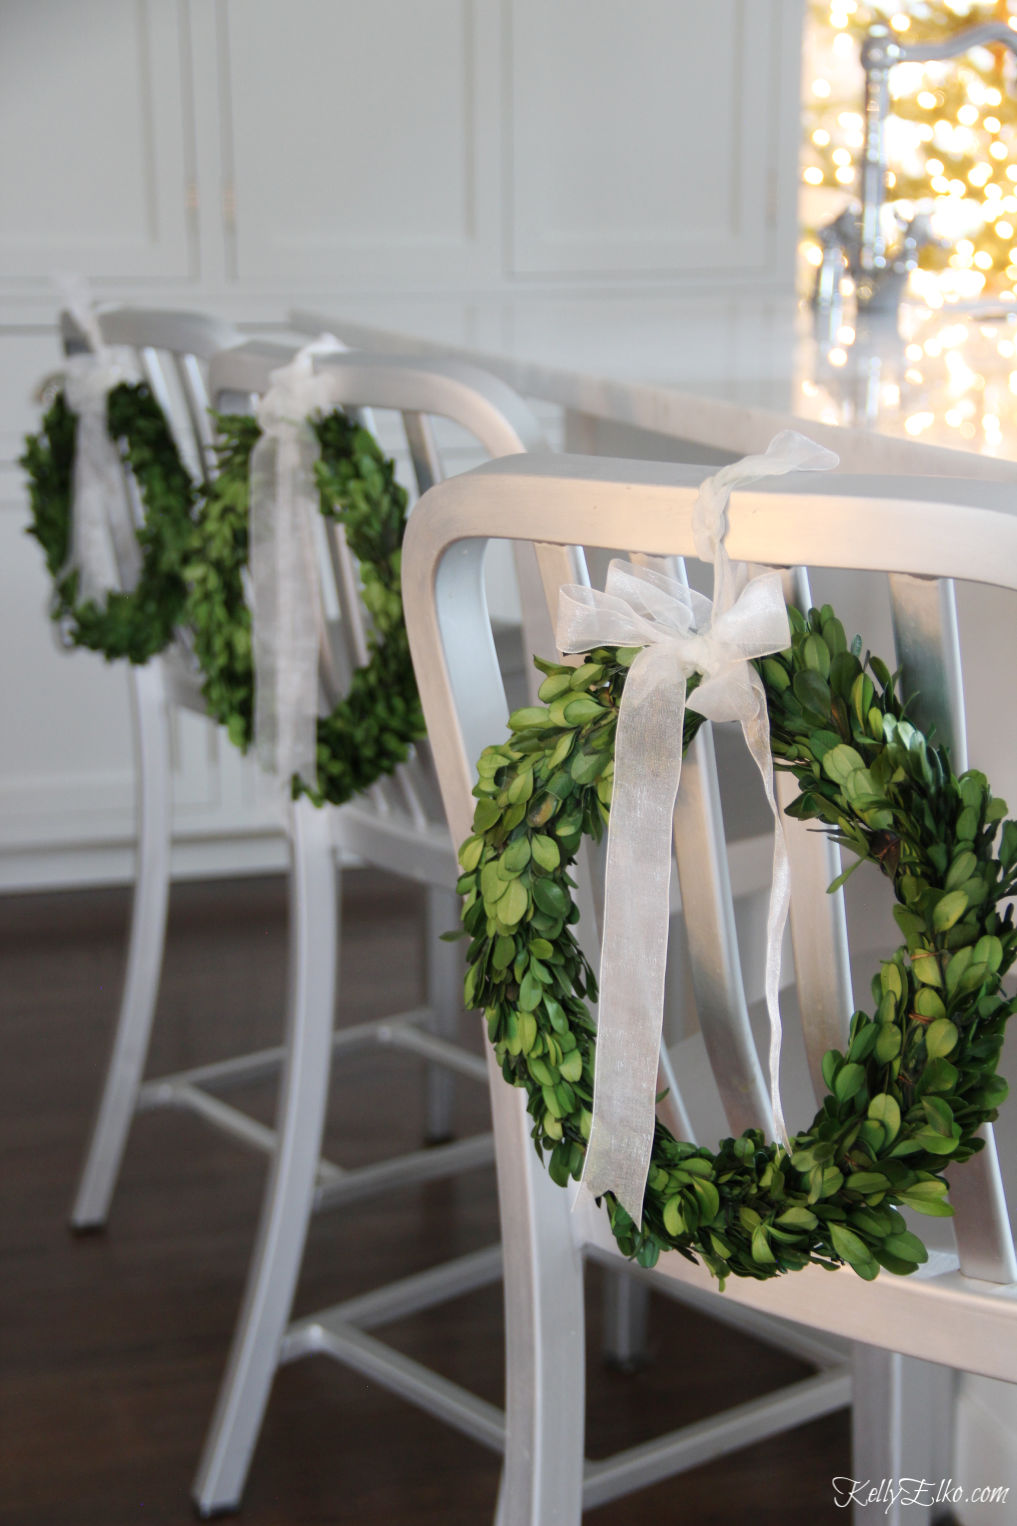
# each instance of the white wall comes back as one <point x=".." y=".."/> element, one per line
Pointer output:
<point x="240" y="155"/>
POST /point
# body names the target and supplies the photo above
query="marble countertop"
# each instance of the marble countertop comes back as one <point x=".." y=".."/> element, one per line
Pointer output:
<point x="921" y="390"/>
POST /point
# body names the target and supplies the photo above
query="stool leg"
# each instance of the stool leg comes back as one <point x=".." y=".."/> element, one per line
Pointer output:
<point x="144" y="956"/>
<point x="444" y="965"/>
<point x="289" y="1192"/>
<point x="901" y="1426"/>
<point x="542" y="1480"/>
<point x="626" y="1321"/>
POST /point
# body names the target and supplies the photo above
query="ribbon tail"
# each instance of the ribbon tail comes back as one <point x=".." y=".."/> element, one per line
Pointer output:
<point x="103" y="549"/>
<point x="756" y="731"/>
<point x="638" y="872"/>
<point x="286" y="603"/>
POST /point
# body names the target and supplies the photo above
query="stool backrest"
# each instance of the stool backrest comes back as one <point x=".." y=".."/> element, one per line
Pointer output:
<point x="920" y="531"/>
<point x="418" y="393"/>
<point x="173" y="350"/>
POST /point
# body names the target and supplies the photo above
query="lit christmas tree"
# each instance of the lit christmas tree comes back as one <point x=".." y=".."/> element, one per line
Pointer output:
<point x="951" y="138"/>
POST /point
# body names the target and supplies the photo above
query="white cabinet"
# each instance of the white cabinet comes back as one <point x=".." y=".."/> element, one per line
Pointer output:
<point x="364" y="140"/>
<point x="644" y="137"/>
<point x="97" y="128"/>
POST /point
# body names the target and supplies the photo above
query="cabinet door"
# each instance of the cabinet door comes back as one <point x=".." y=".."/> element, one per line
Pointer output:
<point x="362" y="137"/>
<point x="644" y="135"/>
<point x="94" y="172"/>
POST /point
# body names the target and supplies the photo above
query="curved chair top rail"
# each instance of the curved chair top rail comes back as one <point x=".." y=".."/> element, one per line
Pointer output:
<point x="487" y="407"/>
<point x="906" y="525"/>
<point x="181" y="333"/>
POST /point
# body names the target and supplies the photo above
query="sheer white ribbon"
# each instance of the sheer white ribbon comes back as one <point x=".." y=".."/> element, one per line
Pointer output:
<point x="103" y="544"/>
<point x="285" y="594"/>
<point x="681" y="632"/>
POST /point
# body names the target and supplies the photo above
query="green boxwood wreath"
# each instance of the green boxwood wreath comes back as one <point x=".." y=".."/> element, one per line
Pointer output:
<point x="372" y="729"/>
<point x="135" y="625"/>
<point x="918" y="1076"/>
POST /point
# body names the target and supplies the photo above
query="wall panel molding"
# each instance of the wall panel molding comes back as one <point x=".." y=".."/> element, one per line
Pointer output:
<point x="96" y="99"/>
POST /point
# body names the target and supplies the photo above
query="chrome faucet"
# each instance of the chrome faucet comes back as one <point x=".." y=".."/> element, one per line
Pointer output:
<point x="880" y="274"/>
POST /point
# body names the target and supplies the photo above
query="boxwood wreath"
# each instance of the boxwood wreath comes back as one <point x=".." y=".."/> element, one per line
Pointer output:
<point x="139" y="624"/>
<point x="918" y="1076"/>
<point x="371" y="730"/>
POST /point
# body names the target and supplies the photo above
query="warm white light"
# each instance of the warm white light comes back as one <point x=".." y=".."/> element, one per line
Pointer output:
<point x="983" y="260"/>
<point x="845" y="334"/>
<point x="812" y="254"/>
<point x="992" y="193"/>
<point x="821" y="88"/>
<point x="916" y="422"/>
<point x="941" y="185"/>
<point x="837" y="357"/>
<point x="844" y="175"/>
<point x="999" y="150"/>
<point x="967" y="114"/>
<point x="979" y="174"/>
<point x="914" y="352"/>
<point x="965" y="246"/>
<point x="926" y="100"/>
<point x="812" y="175"/>
<point x="820" y="137"/>
<point x="934" y="166"/>
<point x="991" y="124"/>
<point x="1004" y="229"/>
<point x="889" y="395"/>
<point x="841" y="156"/>
<point x="953" y="418"/>
<point x="957" y="188"/>
<point x="914" y="377"/>
<point x="900" y="22"/>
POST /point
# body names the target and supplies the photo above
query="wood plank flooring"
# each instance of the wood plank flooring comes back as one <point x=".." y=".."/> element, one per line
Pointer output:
<point x="111" y="1345"/>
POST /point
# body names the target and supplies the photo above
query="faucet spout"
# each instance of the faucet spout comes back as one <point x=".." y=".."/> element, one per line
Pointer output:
<point x="880" y="276"/>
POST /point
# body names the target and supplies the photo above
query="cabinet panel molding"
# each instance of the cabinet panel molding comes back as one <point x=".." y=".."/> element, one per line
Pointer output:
<point x="95" y="110"/>
<point x="366" y="149"/>
<point x="643" y="138"/>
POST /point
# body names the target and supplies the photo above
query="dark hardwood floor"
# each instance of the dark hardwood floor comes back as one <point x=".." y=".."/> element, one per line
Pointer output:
<point x="111" y="1345"/>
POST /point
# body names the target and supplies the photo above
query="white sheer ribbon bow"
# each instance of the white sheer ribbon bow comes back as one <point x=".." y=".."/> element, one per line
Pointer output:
<point x="104" y="548"/>
<point x="681" y="632"/>
<point x="285" y="595"/>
